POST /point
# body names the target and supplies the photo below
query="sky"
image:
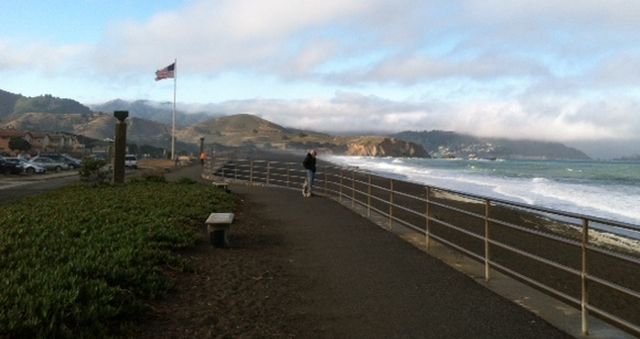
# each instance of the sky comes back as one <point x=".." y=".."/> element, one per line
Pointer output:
<point x="565" y="71"/>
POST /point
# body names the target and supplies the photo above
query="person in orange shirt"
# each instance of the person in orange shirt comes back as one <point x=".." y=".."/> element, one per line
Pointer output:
<point x="203" y="157"/>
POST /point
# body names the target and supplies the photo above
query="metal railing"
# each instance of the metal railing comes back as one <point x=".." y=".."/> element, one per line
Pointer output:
<point x="563" y="254"/>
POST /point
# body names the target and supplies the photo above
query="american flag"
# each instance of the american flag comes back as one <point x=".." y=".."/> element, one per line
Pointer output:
<point x="167" y="72"/>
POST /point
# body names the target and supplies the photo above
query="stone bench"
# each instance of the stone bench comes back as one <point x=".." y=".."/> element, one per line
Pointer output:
<point x="218" y="225"/>
<point x="221" y="184"/>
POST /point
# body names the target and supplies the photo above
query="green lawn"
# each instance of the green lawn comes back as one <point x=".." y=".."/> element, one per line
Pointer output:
<point x="81" y="261"/>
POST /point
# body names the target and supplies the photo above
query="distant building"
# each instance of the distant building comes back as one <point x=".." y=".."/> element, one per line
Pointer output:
<point x="41" y="142"/>
<point x="5" y="138"/>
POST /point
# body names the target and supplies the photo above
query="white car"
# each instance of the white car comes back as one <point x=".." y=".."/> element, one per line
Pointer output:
<point x="131" y="161"/>
<point x="49" y="164"/>
<point x="27" y="167"/>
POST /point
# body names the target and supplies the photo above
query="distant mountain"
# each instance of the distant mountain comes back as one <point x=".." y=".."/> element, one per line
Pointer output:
<point x="250" y="130"/>
<point x="446" y="144"/>
<point x="244" y="129"/>
<point x="46" y="122"/>
<point x="7" y="103"/>
<point x="156" y="111"/>
<point x="96" y="126"/>
<point x="632" y="158"/>
<point x="234" y="130"/>
<point x="49" y="104"/>
<point x="15" y="104"/>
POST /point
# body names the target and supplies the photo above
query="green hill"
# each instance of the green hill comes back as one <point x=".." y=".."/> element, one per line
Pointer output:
<point x="7" y="103"/>
<point x="49" y="104"/>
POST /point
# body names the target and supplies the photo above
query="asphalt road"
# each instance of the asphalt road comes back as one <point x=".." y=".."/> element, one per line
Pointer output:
<point x="17" y="187"/>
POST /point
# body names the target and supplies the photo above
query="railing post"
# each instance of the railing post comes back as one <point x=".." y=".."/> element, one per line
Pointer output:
<point x="583" y="277"/>
<point x="487" y="253"/>
<point x="251" y="171"/>
<point x="268" y="171"/>
<point x="390" y="203"/>
<point x="340" y="198"/>
<point x="288" y="174"/>
<point x="223" y="174"/>
<point x="369" y="198"/>
<point x="428" y="216"/>
<point x="353" y="187"/>
<point x="235" y="170"/>
<point x="325" y="181"/>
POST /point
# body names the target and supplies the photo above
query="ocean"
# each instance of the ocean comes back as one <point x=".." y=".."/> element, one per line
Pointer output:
<point x="609" y="190"/>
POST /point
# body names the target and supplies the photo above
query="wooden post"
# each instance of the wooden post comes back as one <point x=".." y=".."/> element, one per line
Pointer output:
<point x="120" y="146"/>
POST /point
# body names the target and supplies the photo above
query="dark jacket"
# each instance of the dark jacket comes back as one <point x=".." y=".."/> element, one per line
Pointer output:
<point x="310" y="162"/>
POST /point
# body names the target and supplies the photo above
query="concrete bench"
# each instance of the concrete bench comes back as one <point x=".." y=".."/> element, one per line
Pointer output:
<point x="221" y="184"/>
<point x="218" y="226"/>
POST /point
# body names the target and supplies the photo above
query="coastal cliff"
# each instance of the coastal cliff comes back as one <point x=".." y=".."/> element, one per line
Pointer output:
<point x="447" y="144"/>
<point x="384" y="147"/>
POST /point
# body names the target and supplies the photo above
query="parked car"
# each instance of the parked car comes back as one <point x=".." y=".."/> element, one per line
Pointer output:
<point x="49" y="164"/>
<point x="65" y="158"/>
<point x="131" y="161"/>
<point x="9" y="167"/>
<point x="26" y="167"/>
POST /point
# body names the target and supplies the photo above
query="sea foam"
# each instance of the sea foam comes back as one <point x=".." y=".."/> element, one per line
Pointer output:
<point x="546" y="189"/>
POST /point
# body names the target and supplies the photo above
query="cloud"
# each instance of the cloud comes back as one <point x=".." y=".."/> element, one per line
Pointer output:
<point x="418" y="41"/>
<point x="43" y="57"/>
<point x="620" y="70"/>
<point x="352" y="112"/>
<point x="216" y="36"/>
<point x="416" y="69"/>
<point x="537" y="69"/>
<point x="615" y="13"/>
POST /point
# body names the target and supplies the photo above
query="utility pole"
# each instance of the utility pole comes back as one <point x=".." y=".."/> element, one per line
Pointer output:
<point x="120" y="145"/>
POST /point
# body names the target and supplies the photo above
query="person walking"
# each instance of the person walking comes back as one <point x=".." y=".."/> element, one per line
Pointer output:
<point x="203" y="157"/>
<point x="309" y="164"/>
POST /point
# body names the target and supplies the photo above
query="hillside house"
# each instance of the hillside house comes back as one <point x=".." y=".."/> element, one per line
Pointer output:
<point x="55" y="142"/>
<point x="59" y="142"/>
<point x="7" y="134"/>
<point x="41" y="142"/>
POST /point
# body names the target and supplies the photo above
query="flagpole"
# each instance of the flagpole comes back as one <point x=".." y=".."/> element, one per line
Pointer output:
<point x="173" y="128"/>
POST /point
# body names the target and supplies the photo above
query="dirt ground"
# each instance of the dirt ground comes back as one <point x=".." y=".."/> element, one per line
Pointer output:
<point x="241" y="291"/>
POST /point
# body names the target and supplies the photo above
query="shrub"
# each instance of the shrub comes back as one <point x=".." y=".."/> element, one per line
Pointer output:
<point x="186" y="181"/>
<point x="155" y="178"/>
<point x="82" y="273"/>
<point x="95" y="171"/>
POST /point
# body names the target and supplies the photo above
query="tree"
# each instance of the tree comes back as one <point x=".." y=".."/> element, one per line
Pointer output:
<point x="19" y="144"/>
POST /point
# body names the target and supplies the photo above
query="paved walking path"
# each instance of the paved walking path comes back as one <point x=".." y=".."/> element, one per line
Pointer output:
<point x="356" y="280"/>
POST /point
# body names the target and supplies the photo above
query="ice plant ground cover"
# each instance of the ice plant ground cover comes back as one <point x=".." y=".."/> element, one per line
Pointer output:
<point x="82" y="261"/>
